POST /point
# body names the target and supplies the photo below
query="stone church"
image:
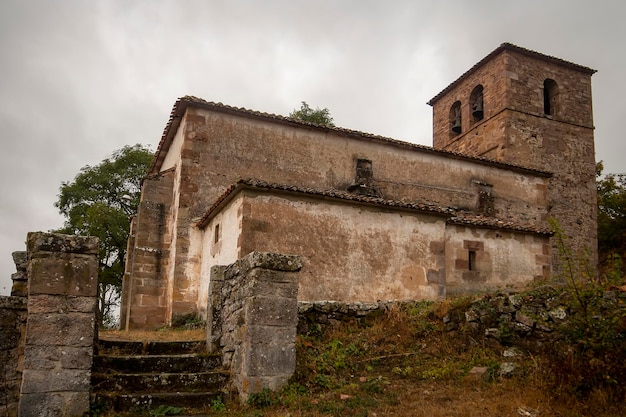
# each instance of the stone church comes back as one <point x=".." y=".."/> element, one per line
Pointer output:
<point x="373" y="218"/>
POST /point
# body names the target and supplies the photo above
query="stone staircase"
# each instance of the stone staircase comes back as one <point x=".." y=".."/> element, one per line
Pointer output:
<point x="129" y="375"/>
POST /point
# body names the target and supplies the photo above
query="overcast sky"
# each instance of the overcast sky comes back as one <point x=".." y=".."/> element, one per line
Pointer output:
<point x="81" y="78"/>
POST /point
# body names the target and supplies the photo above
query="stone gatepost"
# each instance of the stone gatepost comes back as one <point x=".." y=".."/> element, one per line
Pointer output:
<point x="61" y="325"/>
<point x="254" y="314"/>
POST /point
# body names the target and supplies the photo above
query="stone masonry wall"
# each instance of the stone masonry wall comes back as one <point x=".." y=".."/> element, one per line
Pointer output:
<point x="516" y="130"/>
<point x="61" y="325"/>
<point x="220" y="149"/>
<point x="12" y="328"/>
<point x="253" y="318"/>
<point x="144" y="299"/>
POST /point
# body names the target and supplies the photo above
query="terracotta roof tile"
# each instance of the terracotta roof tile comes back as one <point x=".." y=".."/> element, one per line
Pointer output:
<point x="470" y="219"/>
<point x="191" y="101"/>
<point x="454" y="216"/>
<point x="510" y="47"/>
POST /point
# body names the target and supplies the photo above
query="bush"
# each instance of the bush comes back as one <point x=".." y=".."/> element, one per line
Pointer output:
<point x="590" y="355"/>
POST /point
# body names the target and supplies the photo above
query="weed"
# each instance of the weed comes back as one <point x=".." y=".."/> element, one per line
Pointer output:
<point x="218" y="405"/>
<point x="589" y="358"/>
<point x="264" y="398"/>
<point x="165" y="410"/>
<point x="187" y="321"/>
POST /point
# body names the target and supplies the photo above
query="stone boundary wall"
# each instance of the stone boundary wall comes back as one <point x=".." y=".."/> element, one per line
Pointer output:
<point x="61" y="325"/>
<point x="532" y="316"/>
<point x="12" y="328"/>
<point x="252" y="312"/>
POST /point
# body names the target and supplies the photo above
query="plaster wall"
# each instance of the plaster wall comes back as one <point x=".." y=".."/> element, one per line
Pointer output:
<point x="173" y="156"/>
<point x="217" y="244"/>
<point x="350" y="252"/>
<point x="221" y="148"/>
<point x="502" y="259"/>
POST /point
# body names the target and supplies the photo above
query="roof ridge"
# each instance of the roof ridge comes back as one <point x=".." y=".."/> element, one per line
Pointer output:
<point x="454" y="215"/>
<point x="506" y="46"/>
<point x="181" y="104"/>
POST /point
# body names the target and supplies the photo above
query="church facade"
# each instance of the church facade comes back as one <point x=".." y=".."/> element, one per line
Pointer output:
<point x="373" y="218"/>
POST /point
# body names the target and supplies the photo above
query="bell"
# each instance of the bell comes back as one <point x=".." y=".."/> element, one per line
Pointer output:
<point x="477" y="112"/>
<point x="456" y="127"/>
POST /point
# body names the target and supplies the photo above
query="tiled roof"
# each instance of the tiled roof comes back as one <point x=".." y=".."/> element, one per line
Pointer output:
<point x="453" y="215"/>
<point x="190" y="101"/>
<point x="510" y="47"/>
<point x="470" y="219"/>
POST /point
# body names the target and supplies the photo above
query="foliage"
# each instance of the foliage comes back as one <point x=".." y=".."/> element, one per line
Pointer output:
<point x="263" y="398"/>
<point x="611" y="216"/>
<point x="218" y="405"/>
<point x="99" y="202"/>
<point x="165" y="410"/>
<point x="589" y="356"/>
<point x="318" y="116"/>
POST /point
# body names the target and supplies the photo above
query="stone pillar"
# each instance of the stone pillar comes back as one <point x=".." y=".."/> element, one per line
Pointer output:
<point x="61" y="325"/>
<point x="20" y="277"/>
<point x="214" y="309"/>
<point x="258" y="315"/>
<point x="12" y="324"/>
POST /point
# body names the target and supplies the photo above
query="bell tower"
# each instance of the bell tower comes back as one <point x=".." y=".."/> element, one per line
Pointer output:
<point x="521" y="107"/>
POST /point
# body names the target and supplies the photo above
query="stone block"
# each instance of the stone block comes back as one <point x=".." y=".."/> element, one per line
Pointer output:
<point x="56" y="242"/>
<point x="53" y="357"/>
<point x="264" y="260"/>
<point x="45" y="380"/>
<point x="273" y="276"/>
<point x="61" y="304"/>
<point x="268" y="311"/>
<point x="64" y="274"/>
<point x="269" y="335"/>
<point x="71" y="329"/>
<point x="270" y="360"/>
<point x="58" y="404"/>
<point x="251" y="384"/>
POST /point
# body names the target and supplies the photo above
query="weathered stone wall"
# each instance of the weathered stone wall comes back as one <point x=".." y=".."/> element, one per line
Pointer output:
<point x="501" y="259"/>
<point x="219" y="148"/>
<point x="382" y="252"/>
<point x="145" y="300"/>
<point x="12" y="328"/>
<point x="390" y="254"/>
<point x="61" y="325"/>
<point x="20" y="277"/>
<point x="253" y="310"/>
<point x="515" y="129"/>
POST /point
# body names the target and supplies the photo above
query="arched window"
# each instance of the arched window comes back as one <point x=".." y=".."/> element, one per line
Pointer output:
<point x="550" y="97"/>
<point x="476" y="103"/>
<point x="455" y="119"/>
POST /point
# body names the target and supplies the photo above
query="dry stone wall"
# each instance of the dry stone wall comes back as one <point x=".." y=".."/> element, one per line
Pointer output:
<point x="253" y="318"/>
<point x="12" y="327"/>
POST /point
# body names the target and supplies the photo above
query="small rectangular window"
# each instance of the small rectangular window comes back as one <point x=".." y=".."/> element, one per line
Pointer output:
<point x="472" y="260"/>
<point x="216" y="233"/>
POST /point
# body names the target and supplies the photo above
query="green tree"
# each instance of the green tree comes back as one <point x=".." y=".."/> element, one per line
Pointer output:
<point x="317" y="115"/>
<point x="99" y="202"/>
<point x="611" y="216"/>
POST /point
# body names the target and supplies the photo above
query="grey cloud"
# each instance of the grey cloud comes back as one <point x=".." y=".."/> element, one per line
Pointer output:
<point x="81" y="79"/>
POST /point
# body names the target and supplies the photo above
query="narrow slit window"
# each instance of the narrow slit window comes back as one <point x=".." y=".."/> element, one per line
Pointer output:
<point x="216" y="233"/>
<point x="550" y="97"/>
<point x="472" y="260"/>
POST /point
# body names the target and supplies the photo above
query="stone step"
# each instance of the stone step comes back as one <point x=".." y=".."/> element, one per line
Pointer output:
<point x="134" y="364"/>
<point x="158" y="382"/>
<point x="126" y="402"/>
<point x="126" y="347"/>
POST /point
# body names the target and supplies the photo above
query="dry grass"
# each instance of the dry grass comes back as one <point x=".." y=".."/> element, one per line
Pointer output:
<point x="163" y="335"/>
<point x="403" y="363"/>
